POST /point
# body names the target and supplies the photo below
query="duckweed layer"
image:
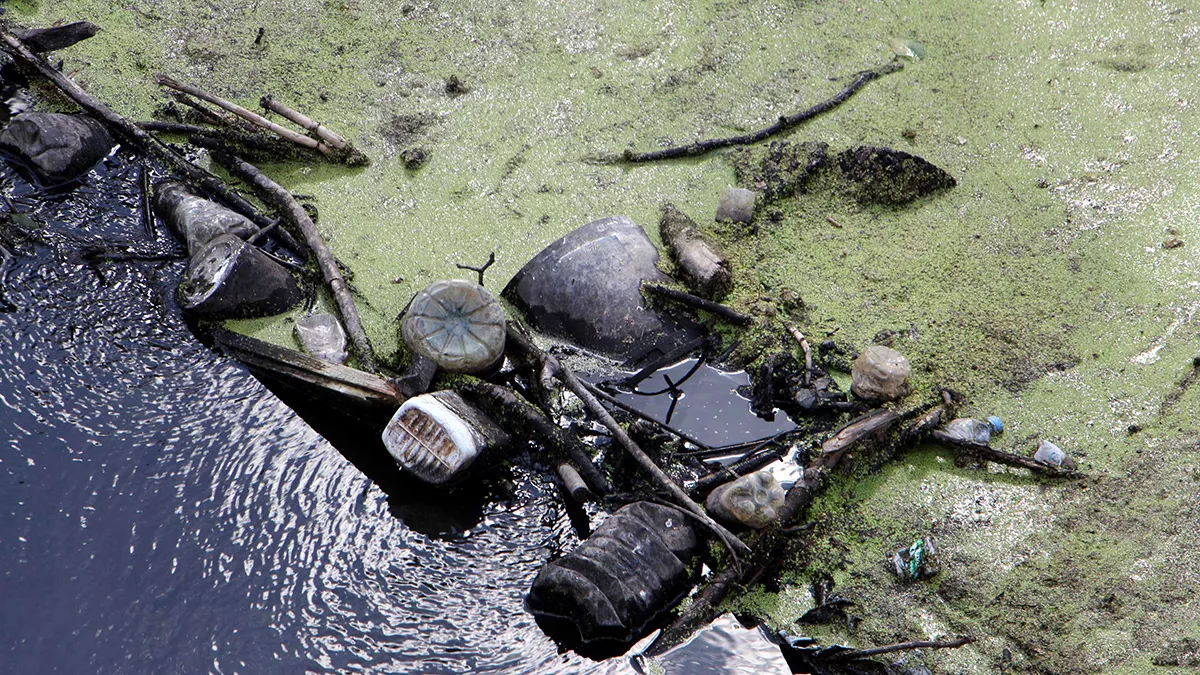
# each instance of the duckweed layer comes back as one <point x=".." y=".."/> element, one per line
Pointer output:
<point x="1039" y="287"/>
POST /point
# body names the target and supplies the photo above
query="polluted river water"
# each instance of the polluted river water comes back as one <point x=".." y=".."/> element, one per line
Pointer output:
<point x="163" y="512"/>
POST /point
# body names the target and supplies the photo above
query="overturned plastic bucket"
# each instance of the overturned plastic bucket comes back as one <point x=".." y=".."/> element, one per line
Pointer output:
<point x="230" y="279"/>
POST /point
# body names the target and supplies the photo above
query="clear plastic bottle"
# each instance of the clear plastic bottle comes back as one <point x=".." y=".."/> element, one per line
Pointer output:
<point x="972" y="430"/>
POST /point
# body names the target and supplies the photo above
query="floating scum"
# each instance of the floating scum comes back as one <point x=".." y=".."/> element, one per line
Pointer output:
<point x="1039" y="287"/>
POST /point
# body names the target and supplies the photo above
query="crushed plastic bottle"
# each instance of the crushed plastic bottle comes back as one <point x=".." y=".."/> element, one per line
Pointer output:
<point x="323" y="336"/>
<point x="1049" y="453"/>
<point x="195" y="220"/>
<point x="916" y="561"/>
<point x="972" y="430"/>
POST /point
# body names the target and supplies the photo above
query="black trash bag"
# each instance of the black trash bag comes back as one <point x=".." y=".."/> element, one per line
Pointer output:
<point x="59" y="148"/>
<point x="602" y="595"/>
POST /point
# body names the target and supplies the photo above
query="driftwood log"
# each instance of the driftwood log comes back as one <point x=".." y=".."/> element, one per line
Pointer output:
<point x="705" y="268"/>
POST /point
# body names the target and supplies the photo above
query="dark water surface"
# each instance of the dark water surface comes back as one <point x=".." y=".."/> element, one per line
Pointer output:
<point x="160" y="511"/>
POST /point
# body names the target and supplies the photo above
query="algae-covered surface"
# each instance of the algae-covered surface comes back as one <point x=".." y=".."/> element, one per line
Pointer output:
<point x="1041" y="287"/>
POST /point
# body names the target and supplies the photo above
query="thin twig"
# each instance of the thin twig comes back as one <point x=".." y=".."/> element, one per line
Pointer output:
<point x="901" y="647"/>
<point x="479" y="270"/>
<point x="723" y="311"/>
<point x="700" y="147"/>
<point x="295" y="213"/>
<point x="833" y="222"/>
<point x="248" y="115"/>
<point x="808" y="361"/>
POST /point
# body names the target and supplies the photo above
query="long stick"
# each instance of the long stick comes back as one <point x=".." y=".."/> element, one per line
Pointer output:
<point x="598" y="412"/>
<point x="985" y="451"/>
<point x="249" y="115"/>
<point x="699" y="148"/>
<point x="131" y="133"/>
<point x="273" y="192"/>
<point x="723" y="311"/>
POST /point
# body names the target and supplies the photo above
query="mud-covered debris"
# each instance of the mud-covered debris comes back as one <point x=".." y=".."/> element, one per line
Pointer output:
<point x="972" y="430"/>
<point x="414" y="157"/>
<point x="782" y="170"/>
<point x="890" y="177"/>
<point x="702" y="263"/>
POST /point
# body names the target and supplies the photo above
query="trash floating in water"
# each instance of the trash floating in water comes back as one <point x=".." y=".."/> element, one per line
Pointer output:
<point x="58" y="147"/>
<point x="752" y="501"/>
<point x="907" y="49"/>
<point x="587" y="287"/>
<point x="230" y="279"/>
<point x="972" y="430"/>
<point x="723" y="647"/>
<point x="458" y="324"/>
<point x="1049" y="453"/>
<point x="194" y="220"/>
<point x="880" y="373"/>
<point x="916" y="561"/>
<point x="323" y="336"/>
<point x="634" y="566"/>
<point x="437" y="436"/>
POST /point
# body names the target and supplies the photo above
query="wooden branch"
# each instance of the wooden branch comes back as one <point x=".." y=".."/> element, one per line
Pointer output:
<point x="353" y="156"/>
<point x="57" y="37"/>
<point x="987" y="452"/>
<point x="248" y="115"/>
<point x="505" y="405"/>
<point x="785" y="123"/>
<point x="723" y="311"/>
<point x="900" y="647"/>
<point x="599" y="413"/>
<point x="291" y="210"/>
<point x="131" y="134"/>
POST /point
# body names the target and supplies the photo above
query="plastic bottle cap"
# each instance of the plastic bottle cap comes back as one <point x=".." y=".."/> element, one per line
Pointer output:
<point x="997" y="425"/>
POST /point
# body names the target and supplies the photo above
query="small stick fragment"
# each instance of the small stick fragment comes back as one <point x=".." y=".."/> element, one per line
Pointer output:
<point x="900" y="647"/>
<point x="572" y="482"/>
<point x="249" y="115"/>
<point x="832" y="221"/>
<point x="808" y="361"/>
<point x="723" y="311"/>
<point x="479" y="270"/>
<point x="700" y="147"/>
<point x="352" y="155"/>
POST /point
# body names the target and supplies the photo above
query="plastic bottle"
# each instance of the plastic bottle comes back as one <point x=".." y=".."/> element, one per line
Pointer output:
<point x="972" y="430"/>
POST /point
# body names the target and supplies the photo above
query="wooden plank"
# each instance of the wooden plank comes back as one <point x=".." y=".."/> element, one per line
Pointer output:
<point x="308" y="371"/>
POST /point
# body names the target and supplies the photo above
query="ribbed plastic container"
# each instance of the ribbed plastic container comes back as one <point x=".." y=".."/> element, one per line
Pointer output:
<point x="437" y="436"/>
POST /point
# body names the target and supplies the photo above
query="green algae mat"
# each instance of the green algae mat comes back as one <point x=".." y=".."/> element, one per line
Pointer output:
<point x="1049" y="286"/>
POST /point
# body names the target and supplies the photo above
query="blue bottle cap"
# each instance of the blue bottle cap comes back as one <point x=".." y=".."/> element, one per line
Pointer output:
<point x="997" y="425"/>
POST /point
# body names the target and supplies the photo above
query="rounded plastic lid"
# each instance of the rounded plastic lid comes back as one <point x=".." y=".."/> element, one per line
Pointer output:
<point x="456" y="323"/>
